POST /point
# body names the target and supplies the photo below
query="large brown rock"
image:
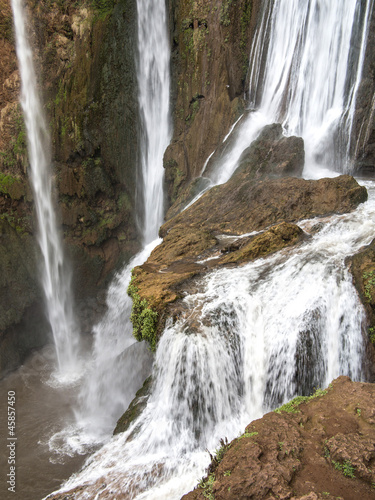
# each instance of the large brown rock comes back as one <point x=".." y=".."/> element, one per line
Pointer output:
<point x="321" y="448"/>
<point x="238" y="207"/>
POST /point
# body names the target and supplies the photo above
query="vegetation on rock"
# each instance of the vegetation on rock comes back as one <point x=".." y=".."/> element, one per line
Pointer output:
<point x="324" y="447"/>
<point x="143" y="318"/>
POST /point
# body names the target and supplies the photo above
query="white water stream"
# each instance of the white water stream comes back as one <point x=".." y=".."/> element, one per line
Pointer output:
<point x="120" y="364"/>
<point x="267" y="330"/>
<point x="256" y="328"/>
<point x="304" y="73"/>
<point x="154" y="87"/>
<point x="55" y="274"/>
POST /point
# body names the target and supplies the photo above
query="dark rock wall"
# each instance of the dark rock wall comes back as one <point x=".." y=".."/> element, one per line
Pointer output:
<point x="363" y="144"/>
<point x="210" y="50"/>
<point x="85" y="61"/>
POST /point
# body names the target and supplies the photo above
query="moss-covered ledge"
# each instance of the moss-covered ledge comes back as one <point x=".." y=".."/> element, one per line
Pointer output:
<point x="143" y="317"/>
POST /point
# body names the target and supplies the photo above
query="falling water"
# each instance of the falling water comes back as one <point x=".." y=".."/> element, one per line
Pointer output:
<point x="248" y="336"/>
<point x="251" y="339"/>
<point x="119" y="363"/>
<point x="305" y="77"/>
<point x="55" y="275"/>
<point x="153" y="82"/>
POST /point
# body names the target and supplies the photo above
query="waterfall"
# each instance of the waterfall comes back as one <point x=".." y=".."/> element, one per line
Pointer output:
<point x="305" y="77"/>
<point x="254" y="336"/>
<point x="119" y="363"/>
<point x="260" y="334"/>
<point x="153" y="82"/>
<point x="56" y="278"/>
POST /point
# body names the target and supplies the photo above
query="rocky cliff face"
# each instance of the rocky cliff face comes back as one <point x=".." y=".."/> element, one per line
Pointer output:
<point x="210" y="50"/>
<point x="84" y="54"/>
<point x="363" y="147"/>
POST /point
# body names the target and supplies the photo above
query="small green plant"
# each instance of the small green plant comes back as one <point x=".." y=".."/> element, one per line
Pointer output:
<point x="227" y="473"/>
<point x="359" y="411"/>
<point x="292" y="406"/>
<point x="281" y="444"/>
<point x="247" y="435"/>
<point x="220" y="452"/>
<point x="346" y="468"/>
<point x="206" y="485"/>
<point x="369" y="284"/>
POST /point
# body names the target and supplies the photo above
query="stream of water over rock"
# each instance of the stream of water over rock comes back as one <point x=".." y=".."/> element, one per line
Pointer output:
<point x="257" y="327"/>
<point x="55" y="274"/>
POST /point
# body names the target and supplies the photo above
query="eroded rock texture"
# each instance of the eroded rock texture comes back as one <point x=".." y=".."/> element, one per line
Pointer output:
<point x="321" y="448"/>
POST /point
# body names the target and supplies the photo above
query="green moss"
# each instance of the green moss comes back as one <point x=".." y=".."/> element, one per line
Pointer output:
<point x="16" y="151"/>
<point x="292" y="406"/>
<point x="21" y="224"/>
<point x="369" y="285"/>
<point x="12" y="186"/>
<point x="224" y="12"/>
<point x="143" y="318"/>
<point x="244" y="23"/>
<point x="6" y="25"/>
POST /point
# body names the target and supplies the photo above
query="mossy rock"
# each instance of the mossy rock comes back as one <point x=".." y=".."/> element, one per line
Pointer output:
<point x="135" y="408"/>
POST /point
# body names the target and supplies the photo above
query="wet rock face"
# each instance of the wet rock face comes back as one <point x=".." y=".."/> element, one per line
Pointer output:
<point x="285" y="155"/>
<point x="23" y="325"/>
<point x="321" y="448"/>
<point x="135" y="408"/>
<point x="210" y="43"/>
<point x="363" y="147"/>
<point x="362" y="267"/>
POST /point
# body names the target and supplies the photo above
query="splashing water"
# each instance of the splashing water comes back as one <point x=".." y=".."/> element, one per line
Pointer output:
<point x="118" y="368"/>
<point x="267" y="330"/>
<point x="305" y="77"/>
<point x="56" y="278"/>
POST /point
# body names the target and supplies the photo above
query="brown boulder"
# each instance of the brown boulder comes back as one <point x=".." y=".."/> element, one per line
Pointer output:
<point x="312" y="448"/>
<point x="193" y="242"/>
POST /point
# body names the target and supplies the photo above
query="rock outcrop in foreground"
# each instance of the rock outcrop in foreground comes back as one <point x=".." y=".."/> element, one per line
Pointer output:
<point x="320" y="448"/>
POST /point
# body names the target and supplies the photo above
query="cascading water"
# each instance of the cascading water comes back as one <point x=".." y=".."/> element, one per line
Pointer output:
<point x="261" y="325"/>
<point x="55" y="274"/>
<point x="305" y="77"/>
<point x="257" y="324"/>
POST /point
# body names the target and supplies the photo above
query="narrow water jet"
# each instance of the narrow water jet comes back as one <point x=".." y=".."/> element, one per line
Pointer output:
<point x="153" y="75"/>
<point x="120" y="364"/>
<point x="55" y="274"/>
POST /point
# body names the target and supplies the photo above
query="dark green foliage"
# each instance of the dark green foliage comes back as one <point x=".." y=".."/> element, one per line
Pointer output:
<point x="143" y="318"/>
